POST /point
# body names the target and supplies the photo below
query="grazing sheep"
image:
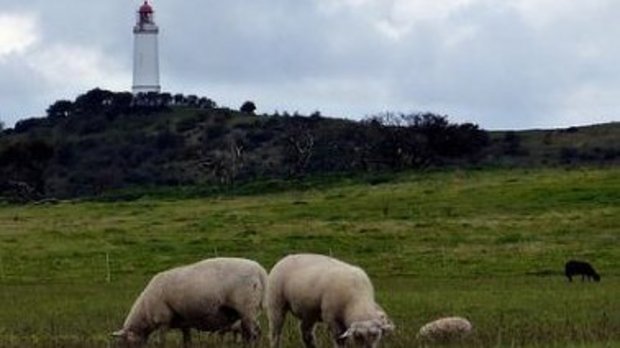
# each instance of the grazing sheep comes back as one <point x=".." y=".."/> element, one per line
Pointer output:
<point x="445" y="330"/>
<point x="319" y="288"/>
<point x="585" y="269"/>
<point x="210" y="295"/>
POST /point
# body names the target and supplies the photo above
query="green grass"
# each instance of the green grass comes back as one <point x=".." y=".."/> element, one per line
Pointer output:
<point x="489" y="245"/>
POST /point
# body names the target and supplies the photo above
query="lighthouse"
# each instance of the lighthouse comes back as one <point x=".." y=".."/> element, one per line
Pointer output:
<point x="145" y="53"/>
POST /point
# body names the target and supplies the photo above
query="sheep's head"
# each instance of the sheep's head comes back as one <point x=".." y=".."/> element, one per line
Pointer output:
<point x="368" y="333"/>
<point x="129" y="337"/>
<point x="386" y="323"/>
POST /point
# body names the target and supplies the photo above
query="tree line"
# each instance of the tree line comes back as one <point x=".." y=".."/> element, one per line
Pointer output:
<point x="106" y="140"/>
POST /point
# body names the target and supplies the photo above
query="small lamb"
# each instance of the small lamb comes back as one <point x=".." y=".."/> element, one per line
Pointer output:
<point x="319" y="288"/>
<point x="582" y="268"/>
<point x="209" y="295"/>
<point x="445" y="330"/>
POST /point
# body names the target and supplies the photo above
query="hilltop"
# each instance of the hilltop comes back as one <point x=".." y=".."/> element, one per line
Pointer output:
<point x="105" y="141"/>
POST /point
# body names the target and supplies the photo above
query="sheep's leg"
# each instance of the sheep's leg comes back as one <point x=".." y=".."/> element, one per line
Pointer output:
<point x="337" y="330"/>
<point x="187" y="337"/>
<point x="276" y="316"/>
<point x="161" y="335"/>
<point x="250" y="330"/>
<point x="236" y="330"/>
<point x="306" y="327"/>
<point x="221" y="335"/>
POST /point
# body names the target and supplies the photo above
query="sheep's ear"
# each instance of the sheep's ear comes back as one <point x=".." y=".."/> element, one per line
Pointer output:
<point x="346" y="334"/>
<point x="119" y="333"/>
<point x="389" y="326"/>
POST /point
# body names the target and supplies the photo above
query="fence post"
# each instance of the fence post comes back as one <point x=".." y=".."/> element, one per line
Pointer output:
<point x="1" y="269"/>
<point x="107" y="264"/>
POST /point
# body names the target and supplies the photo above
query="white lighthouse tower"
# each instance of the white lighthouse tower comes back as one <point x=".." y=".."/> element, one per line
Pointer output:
<point x="145" y="54"/>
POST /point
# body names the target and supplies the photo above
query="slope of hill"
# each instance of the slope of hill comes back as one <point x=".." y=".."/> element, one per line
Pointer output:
<point x="105" y="141"/>
<point x="486" y="244"/>
<point x="595" y="144"/>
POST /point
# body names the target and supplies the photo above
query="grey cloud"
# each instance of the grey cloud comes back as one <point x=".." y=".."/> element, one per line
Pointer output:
<point x="502" y="72"/>
<point x="237" y="42"/>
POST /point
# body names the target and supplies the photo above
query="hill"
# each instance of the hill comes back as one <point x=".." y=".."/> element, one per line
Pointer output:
<point x="595" y="144"/>
<point x="104" y="141"/>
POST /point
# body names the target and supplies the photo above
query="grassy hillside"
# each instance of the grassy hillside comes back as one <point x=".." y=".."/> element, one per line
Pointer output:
<point x="590" y="144"/>
<point x="489" y="245"/>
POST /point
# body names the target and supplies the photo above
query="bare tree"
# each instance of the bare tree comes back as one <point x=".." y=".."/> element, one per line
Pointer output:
<point x="225" y="164"/>
<point x="235" y="160"/>
<point x="300" y="148"/>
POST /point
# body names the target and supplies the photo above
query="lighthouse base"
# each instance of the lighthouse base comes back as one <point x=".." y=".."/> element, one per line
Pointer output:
<point x="145" y="89"/>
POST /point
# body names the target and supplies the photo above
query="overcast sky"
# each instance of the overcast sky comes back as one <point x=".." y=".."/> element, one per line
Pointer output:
<point x="503" y="64"/>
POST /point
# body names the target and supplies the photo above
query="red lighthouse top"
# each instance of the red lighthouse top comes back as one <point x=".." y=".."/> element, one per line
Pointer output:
<point x="145" y="16"/>
<point x="146" y="8"/>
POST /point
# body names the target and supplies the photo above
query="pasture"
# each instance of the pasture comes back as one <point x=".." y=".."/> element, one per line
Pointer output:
<point x="488" y="245"/>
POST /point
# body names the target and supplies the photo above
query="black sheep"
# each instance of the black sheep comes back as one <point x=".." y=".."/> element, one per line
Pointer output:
<point x="582" y="268"/>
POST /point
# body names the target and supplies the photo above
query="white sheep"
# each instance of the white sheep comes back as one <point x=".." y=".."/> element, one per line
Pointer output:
<point x="445" y="330"/>
<point x="209" y="295"/>
<point x="320" y="288"/>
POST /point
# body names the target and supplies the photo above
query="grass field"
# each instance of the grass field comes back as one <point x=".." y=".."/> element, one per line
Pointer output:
<point x="488" y="245"/>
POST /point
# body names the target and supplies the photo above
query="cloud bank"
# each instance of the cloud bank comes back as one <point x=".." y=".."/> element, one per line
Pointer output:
<point x="502" y="64"/>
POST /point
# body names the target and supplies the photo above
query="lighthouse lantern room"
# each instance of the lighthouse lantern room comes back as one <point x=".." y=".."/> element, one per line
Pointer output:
<point x="145" y="55"/>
